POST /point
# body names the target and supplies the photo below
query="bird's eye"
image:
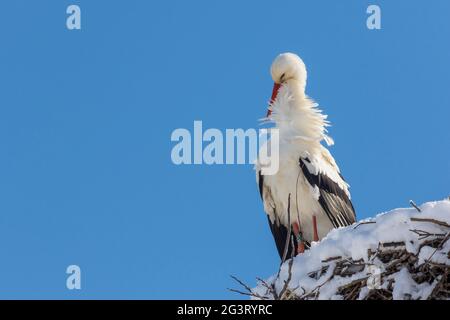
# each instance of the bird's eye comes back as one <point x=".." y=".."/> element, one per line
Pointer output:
<point x="282" y="77"/>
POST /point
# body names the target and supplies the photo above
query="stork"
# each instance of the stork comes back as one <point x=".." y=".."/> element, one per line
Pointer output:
<point x="308" y="196"/>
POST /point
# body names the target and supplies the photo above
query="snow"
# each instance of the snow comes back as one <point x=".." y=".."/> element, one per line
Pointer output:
<point x="405" y="285"/>
<point x="355" y="242"/>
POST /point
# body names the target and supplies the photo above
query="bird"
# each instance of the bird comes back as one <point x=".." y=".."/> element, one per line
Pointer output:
<point x="308" y="196"/>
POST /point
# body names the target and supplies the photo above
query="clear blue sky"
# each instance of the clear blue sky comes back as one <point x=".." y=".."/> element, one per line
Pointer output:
<point x="86" y="116"/>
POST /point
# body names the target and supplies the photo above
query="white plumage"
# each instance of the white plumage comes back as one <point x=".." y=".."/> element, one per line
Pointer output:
<point x="308" y="183"/>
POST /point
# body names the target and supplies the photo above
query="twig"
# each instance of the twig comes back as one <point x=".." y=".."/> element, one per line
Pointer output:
<point x="440" y="285"/>
<point x="250" y="292"/>
<point x="414" y="205"/>
<point x="287" y="281"/>
<point x="441" y="223"/>
<point x="270" y="288"/>
<point x="242" y="283"/>
<point x="365" y="222"/>
<point x="288" y="236"/>
<point x="265" y="284"/>
<point x="241" y="292"/>
<point x="316" y="290"/>
<point x="439" y="246"/>
<point x="425" y="234"/>
<point x="332" y="258"/>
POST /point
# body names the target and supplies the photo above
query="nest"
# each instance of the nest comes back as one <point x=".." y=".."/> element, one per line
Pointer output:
<point x="428" y="267"/>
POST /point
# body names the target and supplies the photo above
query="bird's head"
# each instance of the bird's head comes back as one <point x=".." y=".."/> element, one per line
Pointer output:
<point x="287" y="67"/>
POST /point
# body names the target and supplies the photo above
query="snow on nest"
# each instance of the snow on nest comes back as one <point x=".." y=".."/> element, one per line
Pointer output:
<point x="394" y="245"/>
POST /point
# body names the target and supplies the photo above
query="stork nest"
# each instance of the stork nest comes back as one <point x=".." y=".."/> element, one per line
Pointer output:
<point x="395" y="257"/>
<point x="425" y="269"/>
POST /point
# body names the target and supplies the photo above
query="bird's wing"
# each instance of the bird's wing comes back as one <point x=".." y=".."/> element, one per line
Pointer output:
<point x="323" y="174"/>
<point x="279" y="231"/>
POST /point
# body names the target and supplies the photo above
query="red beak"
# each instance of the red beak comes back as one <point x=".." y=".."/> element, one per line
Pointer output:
<point x="276" y="87"/>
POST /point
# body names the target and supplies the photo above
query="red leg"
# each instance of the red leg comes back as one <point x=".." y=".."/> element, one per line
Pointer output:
<point x="316" y="235"/>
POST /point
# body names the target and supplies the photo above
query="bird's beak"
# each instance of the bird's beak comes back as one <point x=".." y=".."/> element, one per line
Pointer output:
<point x="276" y="87"/>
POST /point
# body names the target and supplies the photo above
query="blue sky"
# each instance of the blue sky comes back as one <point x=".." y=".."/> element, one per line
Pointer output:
<point x="86" y="116"/>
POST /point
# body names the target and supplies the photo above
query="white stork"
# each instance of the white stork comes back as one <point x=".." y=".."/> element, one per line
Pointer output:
<point x="308" y="196"/>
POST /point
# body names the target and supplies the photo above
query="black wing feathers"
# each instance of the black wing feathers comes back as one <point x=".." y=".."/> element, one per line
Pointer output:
<point x="279" y="231"/>
<point x="280" y="234"/>
<point x="333" y="199"/>
<point x="260" y="184"/>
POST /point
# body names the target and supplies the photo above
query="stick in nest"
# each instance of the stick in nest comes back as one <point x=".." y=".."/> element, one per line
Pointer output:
<point x="249" y="292"/>
<point x="441" y="223"/>
<point x="414" y="205"/>
<point x="423" y="234"/>
<point x="366" y="222"/>
<point x="287" y="281"/>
